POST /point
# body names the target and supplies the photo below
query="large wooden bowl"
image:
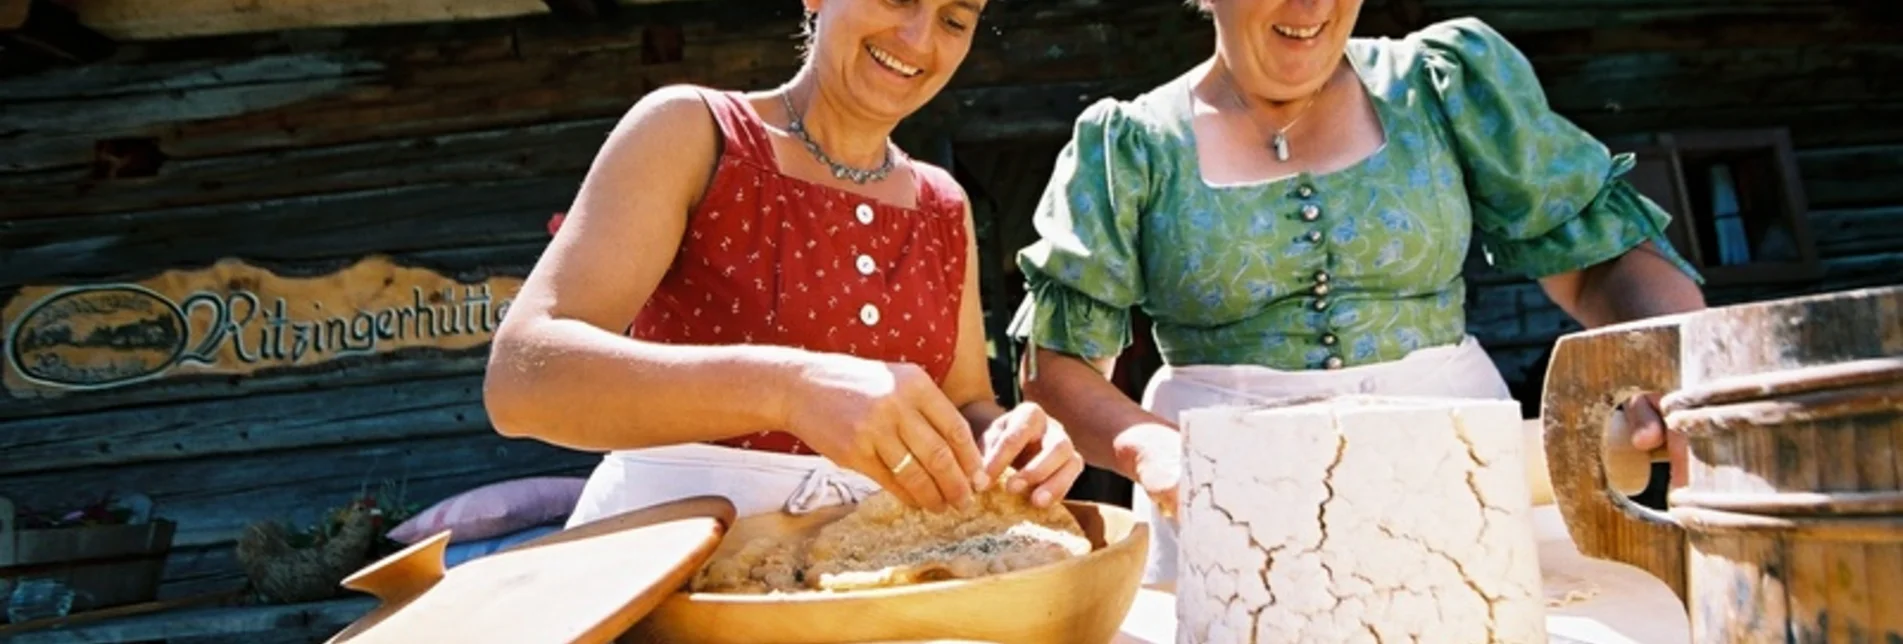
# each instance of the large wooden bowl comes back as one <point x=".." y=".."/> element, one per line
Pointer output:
<point x="1083" y="599"/>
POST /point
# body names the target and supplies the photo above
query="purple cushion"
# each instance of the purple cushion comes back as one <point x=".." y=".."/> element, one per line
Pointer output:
<point x="493" y="510"/>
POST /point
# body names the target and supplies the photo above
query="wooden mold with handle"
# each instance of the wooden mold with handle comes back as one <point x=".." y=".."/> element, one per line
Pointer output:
<point x="1790" y="526"/>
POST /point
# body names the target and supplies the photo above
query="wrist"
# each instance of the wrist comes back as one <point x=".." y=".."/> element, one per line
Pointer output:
<point x="786" y="378"/>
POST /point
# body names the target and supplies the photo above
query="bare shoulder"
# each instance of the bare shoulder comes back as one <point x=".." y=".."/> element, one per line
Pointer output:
<point x="673" y="118"/>
<point x="944" y="187"/>
<point x="668" y="138"/>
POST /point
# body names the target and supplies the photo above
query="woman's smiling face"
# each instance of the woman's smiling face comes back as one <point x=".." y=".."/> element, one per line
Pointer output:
<point x="892" y="56"/>
<point x="1283" y="49"/>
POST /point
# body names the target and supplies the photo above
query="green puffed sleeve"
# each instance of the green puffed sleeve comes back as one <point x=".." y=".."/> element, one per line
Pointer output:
<point x="1547" y="197"/>
<point x="1083" y="276"/>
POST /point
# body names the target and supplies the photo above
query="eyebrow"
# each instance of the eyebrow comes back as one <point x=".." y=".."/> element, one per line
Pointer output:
<point x="970" y="4"/>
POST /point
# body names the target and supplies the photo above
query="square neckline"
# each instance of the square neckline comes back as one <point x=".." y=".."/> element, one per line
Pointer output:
<point x="772" y="163"/>
<point x="1188" y="120"/>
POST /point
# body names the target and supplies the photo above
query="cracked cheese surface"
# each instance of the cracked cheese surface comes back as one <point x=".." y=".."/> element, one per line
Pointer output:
<point x="1358" y="519"/>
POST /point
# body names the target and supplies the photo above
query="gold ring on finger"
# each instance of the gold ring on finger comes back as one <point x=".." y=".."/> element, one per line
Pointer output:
<point x="903" y="463"/>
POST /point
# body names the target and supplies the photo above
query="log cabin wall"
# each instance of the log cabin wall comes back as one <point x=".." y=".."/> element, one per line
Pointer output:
<point x="345" y="169"/>
<point x="446" y="146"/>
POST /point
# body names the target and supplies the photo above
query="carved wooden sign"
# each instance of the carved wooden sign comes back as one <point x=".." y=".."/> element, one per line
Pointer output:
<point x="233" y="318"/>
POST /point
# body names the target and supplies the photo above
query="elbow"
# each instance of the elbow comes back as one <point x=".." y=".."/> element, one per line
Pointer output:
<point x="505" y="389"/>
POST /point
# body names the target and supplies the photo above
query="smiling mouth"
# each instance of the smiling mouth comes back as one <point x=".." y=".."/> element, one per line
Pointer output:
<point x="889" y="61"/>
<point x="1299" y="33"/>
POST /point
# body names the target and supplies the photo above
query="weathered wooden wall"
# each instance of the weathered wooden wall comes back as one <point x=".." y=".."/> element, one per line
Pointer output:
<point x="443" y="146"/>
<point x="448" y="146"/>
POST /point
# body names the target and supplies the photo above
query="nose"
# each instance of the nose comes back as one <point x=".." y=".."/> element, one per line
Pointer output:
<point x="917" y="30"/>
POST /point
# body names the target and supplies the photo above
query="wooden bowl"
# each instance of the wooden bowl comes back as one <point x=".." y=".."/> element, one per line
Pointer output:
<point x="1083" y="599"/>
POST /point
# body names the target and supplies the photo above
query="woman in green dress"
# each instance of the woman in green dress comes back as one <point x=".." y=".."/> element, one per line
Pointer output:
<point x="1294" y="213"/>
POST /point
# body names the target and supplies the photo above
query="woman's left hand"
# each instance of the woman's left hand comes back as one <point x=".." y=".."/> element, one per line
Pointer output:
<point x="1649" y="433"/>
<point x="1025" y="438"/>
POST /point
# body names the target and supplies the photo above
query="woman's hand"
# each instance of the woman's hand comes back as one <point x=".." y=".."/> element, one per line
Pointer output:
<point x="1155" y="460"/>
<point x="888" y="421"/>
<point x="1025" y="438"/>
<point x="1649" y="433"/>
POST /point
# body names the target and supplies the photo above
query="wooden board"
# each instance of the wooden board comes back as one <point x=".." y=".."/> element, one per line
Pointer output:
<point x="233" y="318"/>
<point x="334" y="229"/>
<point x="583" y="585"/>
<point x="359" y="415"/>
<point x="158" y="19"/>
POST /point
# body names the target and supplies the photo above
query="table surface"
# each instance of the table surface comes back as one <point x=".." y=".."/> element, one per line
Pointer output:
<point x="1624" y="605"/>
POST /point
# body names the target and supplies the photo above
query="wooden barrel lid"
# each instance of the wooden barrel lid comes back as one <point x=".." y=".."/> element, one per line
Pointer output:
<point x="582" y="585"/>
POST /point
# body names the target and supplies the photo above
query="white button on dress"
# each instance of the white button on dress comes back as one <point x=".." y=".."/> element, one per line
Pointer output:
<point x="869" y="314"/>
<point x="864" y="212"/>
<point x="866" y="265"/>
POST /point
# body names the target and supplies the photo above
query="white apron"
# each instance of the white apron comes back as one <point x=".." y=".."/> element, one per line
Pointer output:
<point x="1455" y="371"/>
<point x="755" y="481"/>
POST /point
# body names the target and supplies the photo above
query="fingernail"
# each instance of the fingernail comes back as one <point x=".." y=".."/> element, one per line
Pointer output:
<point x="1016" y="486"/>
<point x="1041" y="498"/>
<point x="979" y="481"/>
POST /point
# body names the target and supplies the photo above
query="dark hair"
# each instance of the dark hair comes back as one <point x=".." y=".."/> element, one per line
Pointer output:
<point x="1201" y="6"/>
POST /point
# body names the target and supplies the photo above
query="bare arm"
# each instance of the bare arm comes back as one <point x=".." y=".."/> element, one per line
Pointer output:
<point x="560" y="369"/>
<point x="969" y="383"/>
<point x="1637" y="285"/>
<point x="1077" y="392"/>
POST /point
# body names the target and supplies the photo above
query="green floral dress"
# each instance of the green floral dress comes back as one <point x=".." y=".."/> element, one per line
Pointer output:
<point x="1323" y="271"/>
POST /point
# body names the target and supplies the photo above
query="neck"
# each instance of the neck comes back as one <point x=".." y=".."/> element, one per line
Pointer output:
<point x="847" y="137"/>
<point x="1229" y="90"/>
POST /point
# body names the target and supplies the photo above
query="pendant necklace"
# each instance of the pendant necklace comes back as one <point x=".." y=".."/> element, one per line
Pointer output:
<point x="796" y="124"/>
<point x="1278" y="142"/>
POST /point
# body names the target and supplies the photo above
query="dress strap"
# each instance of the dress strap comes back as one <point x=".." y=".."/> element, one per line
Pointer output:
<point x="938" y="191"/>
<point x="742" y="134"/>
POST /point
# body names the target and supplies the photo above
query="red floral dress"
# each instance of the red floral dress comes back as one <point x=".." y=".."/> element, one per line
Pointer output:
<point x="773" y="259"/>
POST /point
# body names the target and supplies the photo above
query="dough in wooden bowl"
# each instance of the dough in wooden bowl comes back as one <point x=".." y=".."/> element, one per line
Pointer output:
<point x="884" y="543"/>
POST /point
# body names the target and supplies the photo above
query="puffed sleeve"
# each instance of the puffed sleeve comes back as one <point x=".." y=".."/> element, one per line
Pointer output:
<point x="1082" y="275"/>
<point x="1547" y="197"/>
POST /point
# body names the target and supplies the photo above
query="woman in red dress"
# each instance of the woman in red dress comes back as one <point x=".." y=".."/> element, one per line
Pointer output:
<point x="805" y="320"/>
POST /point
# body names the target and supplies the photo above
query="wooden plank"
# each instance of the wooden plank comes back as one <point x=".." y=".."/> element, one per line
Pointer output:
<point x="1853" y="176"/>
<point x="1844" y="233"/>
<point x="1541" y="29"/>
<point x="196" y="570"/>
<point x="407" y="100"/>
<point x="324" y="417"/>
<point x="212" y="499"/>
<point x="1540" y="322"/>
<point x="425" y="99"/>
<point x="564" y="148"/>
<point x="1817" y="125"/>
<point x="417" y="364"/>
<point x="1823" y="73"/>
<point x="315" y="621"/>
<point x="163" y="19"/>
<point x="391" y="220"/>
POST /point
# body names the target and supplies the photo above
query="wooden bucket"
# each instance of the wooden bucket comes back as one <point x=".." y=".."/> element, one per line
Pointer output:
<point x="1790" y="526"/>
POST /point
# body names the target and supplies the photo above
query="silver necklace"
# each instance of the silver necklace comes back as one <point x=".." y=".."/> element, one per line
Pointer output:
<point x="796" y="124"/>
<point x="1279" y="140"/>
